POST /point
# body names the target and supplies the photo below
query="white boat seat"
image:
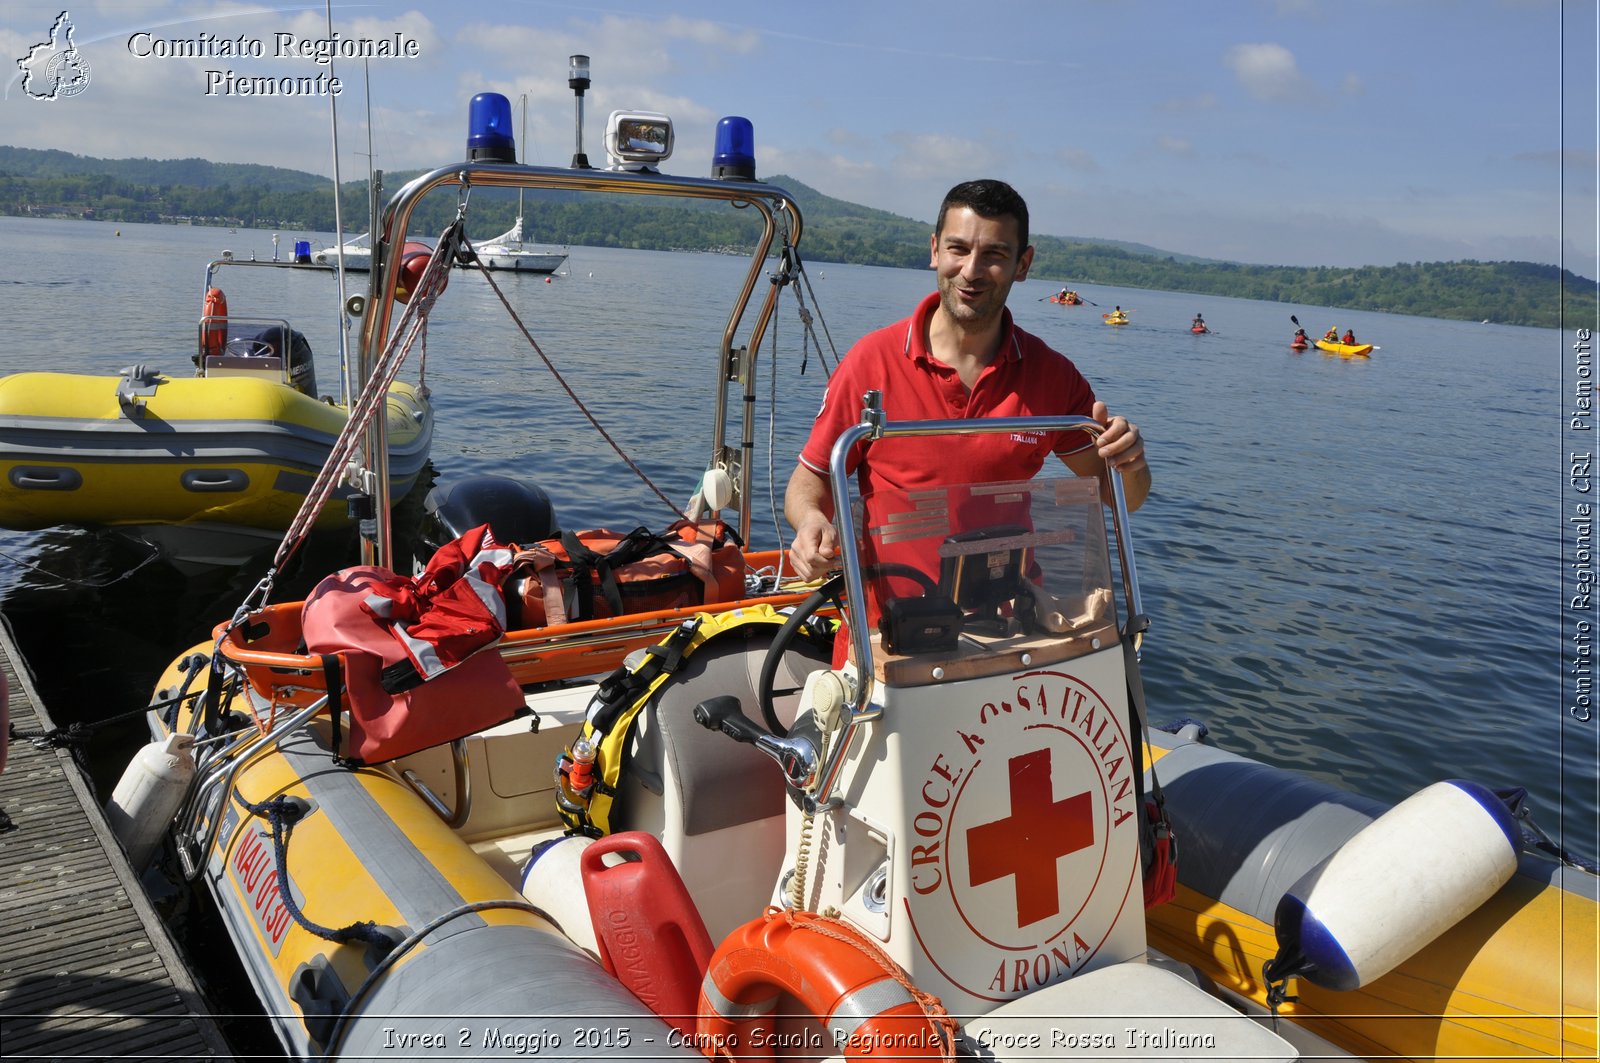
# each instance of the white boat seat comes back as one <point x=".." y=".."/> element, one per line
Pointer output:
<point x="717" y="805"/>
<point x="1129" y="1010"/>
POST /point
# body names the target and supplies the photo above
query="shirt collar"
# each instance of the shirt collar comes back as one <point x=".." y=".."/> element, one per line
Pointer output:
<point x="917" y="328"/>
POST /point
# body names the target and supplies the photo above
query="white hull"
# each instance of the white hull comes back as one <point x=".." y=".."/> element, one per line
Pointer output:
<point x="357" y="259"/>
<point x="506" y="252"/>
<point x="521" y="261"/>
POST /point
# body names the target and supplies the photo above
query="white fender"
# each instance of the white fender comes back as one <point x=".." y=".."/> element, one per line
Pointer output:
<point x="716" y="487"/>
<point x="553" y="880"/>
<point x="1400" y="882"/>
<point x="148" y="795"/>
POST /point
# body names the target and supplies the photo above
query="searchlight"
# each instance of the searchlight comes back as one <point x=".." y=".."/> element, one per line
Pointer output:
<point x="637" y="140"/>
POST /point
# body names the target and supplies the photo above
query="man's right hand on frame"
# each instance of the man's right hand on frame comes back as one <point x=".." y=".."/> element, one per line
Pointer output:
<point x="815" y="548"/>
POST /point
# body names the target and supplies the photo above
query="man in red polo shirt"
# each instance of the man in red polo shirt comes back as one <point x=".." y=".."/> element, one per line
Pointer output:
<point x="959" y="355"/>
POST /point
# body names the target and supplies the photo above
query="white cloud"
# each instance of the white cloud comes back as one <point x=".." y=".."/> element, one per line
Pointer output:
<point x="1078" y="159"/>
<point x="1268" y="72"/>
<point x="926" y="155"/>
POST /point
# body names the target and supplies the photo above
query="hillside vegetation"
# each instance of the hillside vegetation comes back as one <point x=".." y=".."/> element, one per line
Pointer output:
<point x="196" y="191"/>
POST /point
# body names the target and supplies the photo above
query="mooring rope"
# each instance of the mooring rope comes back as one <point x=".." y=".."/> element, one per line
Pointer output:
<point x="677" y="511"/>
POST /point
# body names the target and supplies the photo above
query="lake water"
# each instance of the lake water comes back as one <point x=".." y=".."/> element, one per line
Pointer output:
<point x="1352" y="567"/>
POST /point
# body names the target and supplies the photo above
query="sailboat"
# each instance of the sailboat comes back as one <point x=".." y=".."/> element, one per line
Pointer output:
<point x="353" y="255"/>
<point x="357" y="254"/>
<point x="506" y="251"/>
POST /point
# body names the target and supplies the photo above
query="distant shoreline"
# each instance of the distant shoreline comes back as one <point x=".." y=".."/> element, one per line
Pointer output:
<point x="55" y="185"/>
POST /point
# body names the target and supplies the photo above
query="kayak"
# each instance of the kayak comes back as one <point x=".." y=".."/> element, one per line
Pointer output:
<point x="1345" y="350"/>
<point x="1299" y="345"/>
<point x="1115" y="319"/>
<point x="1198" y="330"/>
<point x="1068" y="301"/>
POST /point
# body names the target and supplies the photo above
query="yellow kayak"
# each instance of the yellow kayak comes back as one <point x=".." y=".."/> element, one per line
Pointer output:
<point x="1346" y="350"/>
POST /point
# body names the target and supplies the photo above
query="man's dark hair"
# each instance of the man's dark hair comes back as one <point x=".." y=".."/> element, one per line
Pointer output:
<point x="987" y="198"/>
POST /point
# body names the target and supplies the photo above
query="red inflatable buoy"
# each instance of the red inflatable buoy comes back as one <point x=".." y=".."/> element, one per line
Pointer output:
<point x="414" y="258"/>
<point x="214" y="322"/>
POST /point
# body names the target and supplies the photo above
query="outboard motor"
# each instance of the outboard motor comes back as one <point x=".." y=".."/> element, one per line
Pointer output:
<point x="280" y="340"/>
<point x="302" y="367"/>
<point x="517" y="511"/>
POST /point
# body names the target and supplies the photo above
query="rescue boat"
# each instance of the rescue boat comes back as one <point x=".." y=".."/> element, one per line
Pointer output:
<point x="210" y="465"/>
<point x="684" y="830"/>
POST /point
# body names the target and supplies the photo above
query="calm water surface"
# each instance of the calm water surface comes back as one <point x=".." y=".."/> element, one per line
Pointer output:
<point x="1352" y="567"/>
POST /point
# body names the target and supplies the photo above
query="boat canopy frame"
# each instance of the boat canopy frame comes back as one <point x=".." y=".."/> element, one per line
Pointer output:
<point x="736" y="363"/>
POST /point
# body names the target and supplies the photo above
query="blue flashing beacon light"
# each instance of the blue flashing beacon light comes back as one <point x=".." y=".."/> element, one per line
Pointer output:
<point x="489" y="134"/>
<point x="734" y="157"/>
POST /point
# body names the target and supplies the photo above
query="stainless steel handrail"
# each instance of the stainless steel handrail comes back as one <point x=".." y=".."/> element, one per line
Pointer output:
<point x="454" y="817"/>
<point x="224" y="770"/>
<point x="769" y="200"/>
<point x="873" y="427"/>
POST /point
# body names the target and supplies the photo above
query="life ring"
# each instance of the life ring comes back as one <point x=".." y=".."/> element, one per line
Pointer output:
<point x="863" y="997"/>
<point x="214" y="322"/>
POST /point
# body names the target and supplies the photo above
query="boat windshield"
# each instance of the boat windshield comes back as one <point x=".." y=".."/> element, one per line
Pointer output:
<point x="980" y="579"/>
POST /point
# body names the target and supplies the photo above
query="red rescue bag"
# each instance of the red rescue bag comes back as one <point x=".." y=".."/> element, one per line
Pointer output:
<point x="416" y="655"/>
<point x="589" y="575"/>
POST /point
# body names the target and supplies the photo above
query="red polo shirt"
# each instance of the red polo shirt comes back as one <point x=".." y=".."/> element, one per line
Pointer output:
<point x="1026" y="379"/>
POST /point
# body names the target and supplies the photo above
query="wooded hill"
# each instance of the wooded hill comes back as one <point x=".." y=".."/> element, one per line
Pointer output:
<point x="196" y="191"/>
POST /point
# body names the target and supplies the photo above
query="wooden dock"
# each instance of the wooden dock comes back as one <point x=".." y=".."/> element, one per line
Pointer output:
<point x="87" y="971"/>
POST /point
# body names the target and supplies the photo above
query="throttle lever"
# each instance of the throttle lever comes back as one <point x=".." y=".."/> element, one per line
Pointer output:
<point x="796" y="755"/>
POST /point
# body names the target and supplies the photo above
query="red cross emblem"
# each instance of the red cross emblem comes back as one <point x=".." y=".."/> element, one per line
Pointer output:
<point x="1028" y="842"/>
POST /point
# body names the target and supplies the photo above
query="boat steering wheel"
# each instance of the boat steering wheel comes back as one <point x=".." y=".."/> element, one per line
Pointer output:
<point x="246" y="347"/>
<point x="831" y="590"/>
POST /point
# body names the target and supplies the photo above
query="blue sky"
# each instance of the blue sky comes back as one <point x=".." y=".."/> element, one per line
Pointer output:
<point x="1304" y="132"/>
